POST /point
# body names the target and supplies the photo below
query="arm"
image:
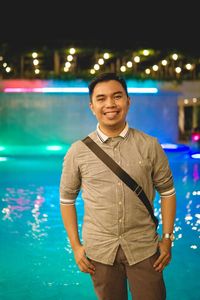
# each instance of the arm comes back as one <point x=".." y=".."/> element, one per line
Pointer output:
<point x="168" y="211"/>
<point x="69" y="217"/>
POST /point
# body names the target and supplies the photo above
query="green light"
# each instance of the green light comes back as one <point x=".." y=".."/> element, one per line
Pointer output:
<point x="3" y="159"/>
<point x="2" y="148"/>
<point x="54" y="148"/>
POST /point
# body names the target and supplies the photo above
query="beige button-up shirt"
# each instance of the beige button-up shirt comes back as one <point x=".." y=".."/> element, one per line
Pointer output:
<point x="113" y="213"/>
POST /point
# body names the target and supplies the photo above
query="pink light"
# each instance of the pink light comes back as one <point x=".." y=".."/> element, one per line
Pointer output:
<point x="196" y="137"/>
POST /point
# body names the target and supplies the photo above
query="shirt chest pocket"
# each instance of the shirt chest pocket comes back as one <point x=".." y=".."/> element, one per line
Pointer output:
<point x="140" y="168"/>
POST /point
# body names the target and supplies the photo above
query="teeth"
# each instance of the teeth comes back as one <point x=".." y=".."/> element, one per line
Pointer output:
<point x="111" y="115"/>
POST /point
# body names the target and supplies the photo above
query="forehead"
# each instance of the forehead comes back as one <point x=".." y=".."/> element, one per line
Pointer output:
<point x="107" y="87"/>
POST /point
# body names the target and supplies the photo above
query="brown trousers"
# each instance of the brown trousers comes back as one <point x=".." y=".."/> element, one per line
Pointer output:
<point x="112" y="282"/>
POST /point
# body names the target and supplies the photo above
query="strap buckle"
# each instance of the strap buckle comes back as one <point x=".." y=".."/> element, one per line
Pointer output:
<point x="138" y="190"/>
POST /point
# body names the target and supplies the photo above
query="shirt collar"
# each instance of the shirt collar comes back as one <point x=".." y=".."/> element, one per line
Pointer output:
<point x="103" y="138"/>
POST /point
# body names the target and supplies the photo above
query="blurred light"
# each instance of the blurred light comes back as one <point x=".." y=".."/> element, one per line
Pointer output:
<point x="8" y="69"/>
<point x="69" y="57"/>
<point x="96" y="67"/>
<point x="136" y="59"/>
<point x="155" y="68"/>
<point x="178" y="70"/>
<point x="188" y="67"/>
<point x="196" y="136"/>
<point x="92" y="71"/>
<point x="35" y="62"/>
<point x="123" y="69"/>
<point x="54" y="148"/>
<point x="101" y="61"/>
<point x="147" y="71"/>
<point x="34" y="54"/>
<point x="72" y="50"/>
<point x="3" y="159"/>
<point x="73" y="90"/>
<point x="175" y="147"/>
<point x="195" y="155"/>
<point x="174" y="56"/>
<point x="37" y="71"/>
<point x="67" y="64"/>
<point x="129" y="64"/>
<point x="164" y="62"/>
<point x="146" y="52"/>
<point x="106" y="55"/>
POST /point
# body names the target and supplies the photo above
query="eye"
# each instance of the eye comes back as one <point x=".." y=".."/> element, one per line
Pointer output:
<point x="100" y="99"/>
<point x="118" y="96"/>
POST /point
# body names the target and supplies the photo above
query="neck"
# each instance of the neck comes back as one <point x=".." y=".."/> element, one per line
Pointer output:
<point x="112" y="132"/>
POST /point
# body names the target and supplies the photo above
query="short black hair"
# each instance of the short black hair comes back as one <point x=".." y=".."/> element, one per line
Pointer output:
<point x="106" y="77"/>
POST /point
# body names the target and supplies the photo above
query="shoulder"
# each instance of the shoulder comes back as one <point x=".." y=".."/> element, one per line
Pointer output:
<point x="142" y="136"/>
<point x="78" y="146"/>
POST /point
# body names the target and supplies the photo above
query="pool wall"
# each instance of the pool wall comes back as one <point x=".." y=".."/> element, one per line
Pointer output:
<point x="61" y="118"/>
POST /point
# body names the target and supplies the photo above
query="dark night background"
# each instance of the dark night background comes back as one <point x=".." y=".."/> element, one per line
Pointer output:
<point x="118" y="25"/>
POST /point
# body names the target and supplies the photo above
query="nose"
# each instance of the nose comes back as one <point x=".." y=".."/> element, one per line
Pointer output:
<point x="110" y="102"/>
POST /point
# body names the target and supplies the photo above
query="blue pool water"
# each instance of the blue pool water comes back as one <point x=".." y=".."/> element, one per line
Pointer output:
<point x="35" y="255"/>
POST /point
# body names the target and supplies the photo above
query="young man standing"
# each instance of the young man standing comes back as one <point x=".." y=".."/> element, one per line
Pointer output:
<point x="120" y="243"/>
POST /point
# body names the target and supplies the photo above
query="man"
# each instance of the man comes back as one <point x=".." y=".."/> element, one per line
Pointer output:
<point x="120" y="242"/>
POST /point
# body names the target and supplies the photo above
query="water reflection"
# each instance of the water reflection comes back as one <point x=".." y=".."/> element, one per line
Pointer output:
<point x="26" y="204"/>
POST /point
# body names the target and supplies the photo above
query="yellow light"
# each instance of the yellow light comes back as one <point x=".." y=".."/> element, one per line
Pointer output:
<point x="147" y="71"/>
<point x="101" y="61"/>
<point x="146" y="52"/>
<point x="37" y="71"/>
<point x="136" y="59"/>
<point x="35" y="62"/>
<point x="96" y="67"/>
<point x="66" y="69"/>
<point x="92" y="71"/>
<point x="178" y="70"/>
<point x="67" y="64"/>
<point x="174" y="56"/>
<point x="72" y="51"/>
<point x="69" y="57"/>
<point x="164" y="62"/>
<point x="8" y="69"/>
<point x="189" y="67"/>
<point x="106" y="55"/>
<point x="123" y="69"/>
<point x="129" y="64"/>
<point x="34" y="54"/>
<point x="155" y="68"/>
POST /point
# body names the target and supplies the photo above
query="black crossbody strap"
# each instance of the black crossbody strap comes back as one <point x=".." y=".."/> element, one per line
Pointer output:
<point x="125" y="177"/>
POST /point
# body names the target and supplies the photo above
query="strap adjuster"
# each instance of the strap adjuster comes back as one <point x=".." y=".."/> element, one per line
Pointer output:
<point x="138" y="190"/>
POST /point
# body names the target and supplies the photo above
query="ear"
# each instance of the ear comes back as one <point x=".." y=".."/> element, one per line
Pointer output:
<point x="91" y="107"/>
<point x="129" y="101"/>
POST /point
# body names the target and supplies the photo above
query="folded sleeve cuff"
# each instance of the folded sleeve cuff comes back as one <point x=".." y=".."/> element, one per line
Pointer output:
<point x="67" y="201"/>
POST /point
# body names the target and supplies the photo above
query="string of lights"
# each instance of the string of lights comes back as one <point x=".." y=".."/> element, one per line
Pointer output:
<point x="75" y="62"/>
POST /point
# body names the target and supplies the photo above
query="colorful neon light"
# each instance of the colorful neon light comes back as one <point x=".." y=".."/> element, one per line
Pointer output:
<point x="71" y="90"/>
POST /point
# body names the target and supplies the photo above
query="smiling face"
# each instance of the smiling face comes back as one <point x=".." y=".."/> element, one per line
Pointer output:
<point x="110" y="104"/>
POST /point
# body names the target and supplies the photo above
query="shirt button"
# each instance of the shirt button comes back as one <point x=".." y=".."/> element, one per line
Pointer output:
<point x="119" y="183"/>
<point x="120" y="220"/>
<point x="120" y="236"/>
<point x="120" y="202"/>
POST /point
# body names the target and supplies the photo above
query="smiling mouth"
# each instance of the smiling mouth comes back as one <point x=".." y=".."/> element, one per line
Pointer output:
<point x="111" y="114"/>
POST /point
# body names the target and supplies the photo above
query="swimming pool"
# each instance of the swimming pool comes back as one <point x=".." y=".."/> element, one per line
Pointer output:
<point x="36" y="258"/>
